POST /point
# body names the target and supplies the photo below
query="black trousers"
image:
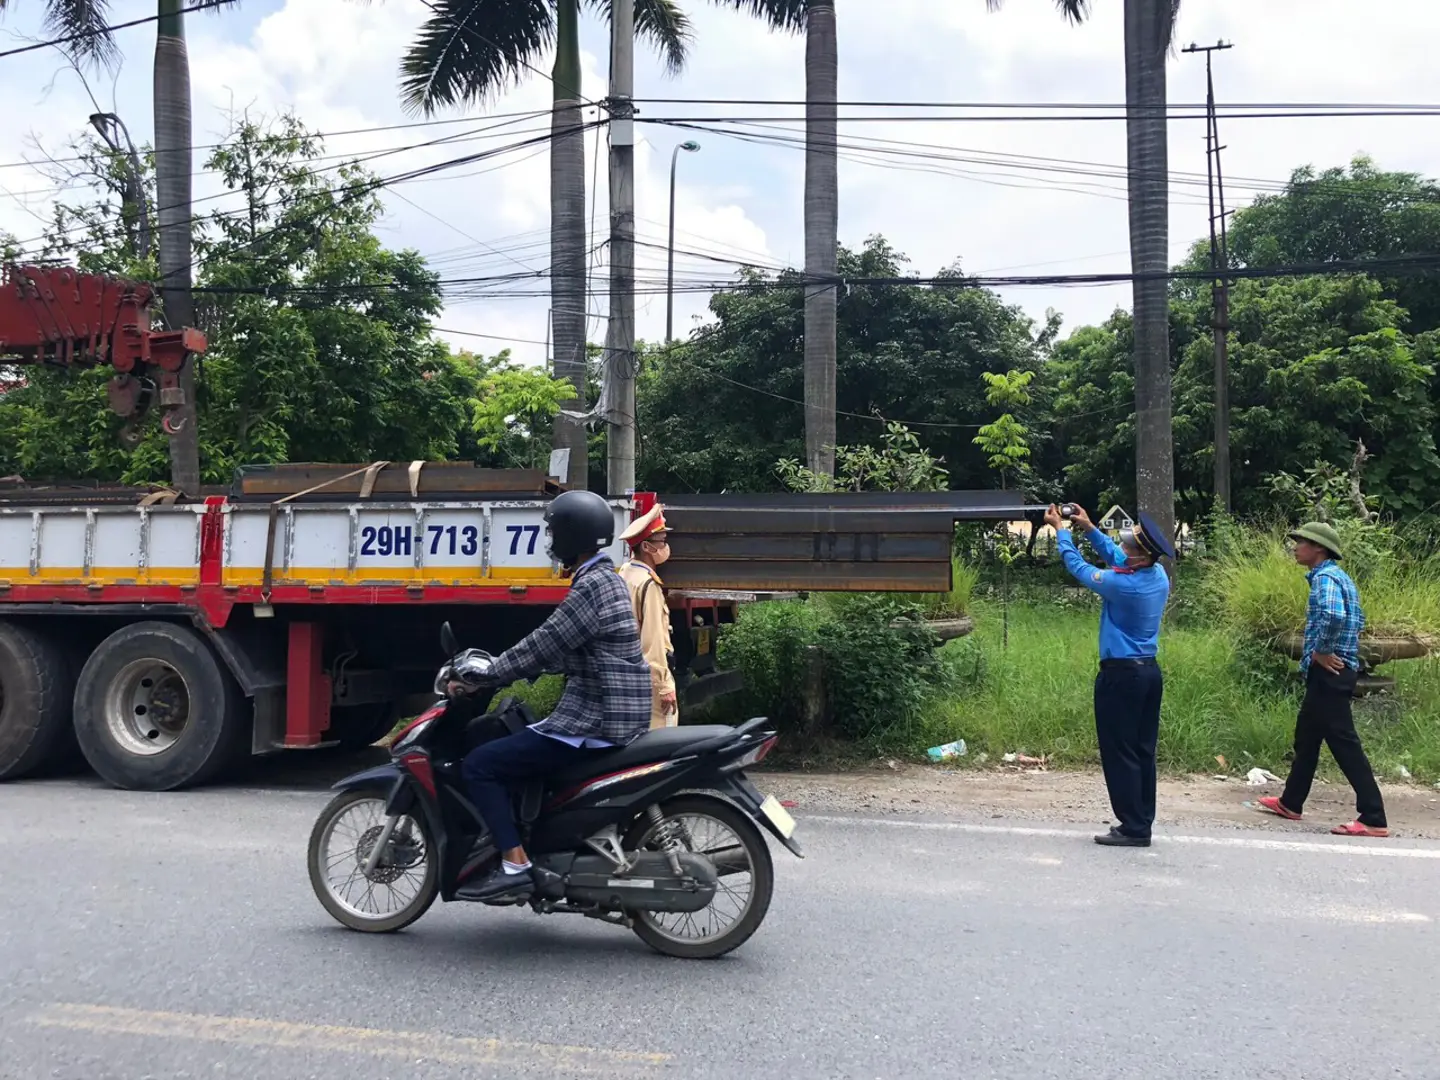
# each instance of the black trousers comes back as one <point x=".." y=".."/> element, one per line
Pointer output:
<point x="1326" y="717"/>
<point x="491" y="768"/>
<point x="1127" y="726"/>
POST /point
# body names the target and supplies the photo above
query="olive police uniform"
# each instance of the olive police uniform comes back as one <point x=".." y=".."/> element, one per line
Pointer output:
<point x="1129" y="686"/>
<point x="647" y="594"/>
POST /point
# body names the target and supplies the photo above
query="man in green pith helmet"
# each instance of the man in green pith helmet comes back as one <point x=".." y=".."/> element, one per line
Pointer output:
<point x="1331" y="665"/>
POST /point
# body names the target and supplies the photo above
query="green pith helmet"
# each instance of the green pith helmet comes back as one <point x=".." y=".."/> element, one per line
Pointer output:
<point x="1319" y="532"/>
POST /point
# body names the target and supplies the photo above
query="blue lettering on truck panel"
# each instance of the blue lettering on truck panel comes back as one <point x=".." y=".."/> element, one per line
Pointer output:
<point x="398" y="541"/>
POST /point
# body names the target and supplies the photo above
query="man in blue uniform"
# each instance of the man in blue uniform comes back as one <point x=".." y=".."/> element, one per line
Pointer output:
<point x="1134" y="589"/>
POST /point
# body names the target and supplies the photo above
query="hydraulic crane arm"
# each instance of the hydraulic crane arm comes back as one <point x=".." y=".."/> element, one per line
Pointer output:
<point x="60" y="317"/>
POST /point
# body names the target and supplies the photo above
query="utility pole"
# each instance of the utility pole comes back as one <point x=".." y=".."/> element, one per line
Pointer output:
<point x="1220" y="285"/>
<point x="620" y="363"/>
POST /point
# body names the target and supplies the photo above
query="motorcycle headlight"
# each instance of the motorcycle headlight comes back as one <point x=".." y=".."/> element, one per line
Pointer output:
<point x="411" y="735"/>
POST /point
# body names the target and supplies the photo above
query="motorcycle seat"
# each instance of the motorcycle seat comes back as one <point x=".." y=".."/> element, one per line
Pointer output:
<point x="659" y="744"/>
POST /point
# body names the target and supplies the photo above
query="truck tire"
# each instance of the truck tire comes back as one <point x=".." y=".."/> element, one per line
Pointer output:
<point x="155" y="710"/>
<point x="36" y="733"/>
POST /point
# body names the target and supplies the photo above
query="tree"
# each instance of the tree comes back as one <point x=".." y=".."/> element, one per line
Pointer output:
<point x="175" y="233"/>
<point x="816" y="18"/>
<point x="1317" y="364"/>
<point x="511" y="411"/>
<point x="1149" y="29"/>
<point x="470" y="49"/>
<point x="84" y="22"/>
<point x="1005" y="440"/>
<point x="321" y="345"/>
<point x="900" y="463"/>
<point x="909" y="354"/>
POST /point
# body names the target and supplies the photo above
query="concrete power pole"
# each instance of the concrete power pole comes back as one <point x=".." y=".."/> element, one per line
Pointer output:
<point x="620" y="361"/>
<point x="1220" y="286"/>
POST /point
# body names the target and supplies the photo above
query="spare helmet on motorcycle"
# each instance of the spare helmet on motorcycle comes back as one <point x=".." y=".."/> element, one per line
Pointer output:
<point x="580" y="523"/>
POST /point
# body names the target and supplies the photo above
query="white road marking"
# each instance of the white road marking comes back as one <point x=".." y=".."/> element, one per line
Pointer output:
<point x="1382" y="849"/>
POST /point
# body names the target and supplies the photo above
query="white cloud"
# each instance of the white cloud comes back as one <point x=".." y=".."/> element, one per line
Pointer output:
<point x="335" y="62"/>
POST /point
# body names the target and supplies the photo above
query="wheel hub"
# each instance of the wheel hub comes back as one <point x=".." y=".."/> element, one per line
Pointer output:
<point x="405" y="852"/>
<point x="147" y="707"/>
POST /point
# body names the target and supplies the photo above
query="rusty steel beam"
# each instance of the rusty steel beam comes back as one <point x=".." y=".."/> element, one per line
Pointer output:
<point x="810" y="547"/>
<point x="841" y="542"/>
<point x="760" y="575"/>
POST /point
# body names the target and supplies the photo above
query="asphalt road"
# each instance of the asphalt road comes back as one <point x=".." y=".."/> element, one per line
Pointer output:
<point x="175" y="936"/>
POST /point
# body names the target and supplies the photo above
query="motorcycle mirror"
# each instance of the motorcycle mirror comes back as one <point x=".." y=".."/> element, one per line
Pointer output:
<point x="447" y="640"/>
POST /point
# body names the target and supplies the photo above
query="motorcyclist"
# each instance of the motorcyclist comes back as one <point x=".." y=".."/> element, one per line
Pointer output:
<point x="591" y="638"/>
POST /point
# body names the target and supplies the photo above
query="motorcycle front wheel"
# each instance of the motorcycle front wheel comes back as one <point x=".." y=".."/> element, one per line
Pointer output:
<point x="719" y="830"/>
<point x="403" y="884"/>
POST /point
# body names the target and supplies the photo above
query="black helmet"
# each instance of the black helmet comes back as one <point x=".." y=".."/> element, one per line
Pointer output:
<point x="580" y="522"/>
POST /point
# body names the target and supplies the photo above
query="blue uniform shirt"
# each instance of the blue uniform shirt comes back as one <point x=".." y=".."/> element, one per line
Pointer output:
<point x="1133" y="601"/>
<point x="1334" y="617"/>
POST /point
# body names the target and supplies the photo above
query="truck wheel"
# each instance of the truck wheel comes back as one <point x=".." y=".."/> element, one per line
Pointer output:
<point x="155" y="710"/>
<point x="35" y="719"/>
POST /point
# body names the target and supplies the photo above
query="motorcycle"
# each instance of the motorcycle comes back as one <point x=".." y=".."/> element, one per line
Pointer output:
<point x="662" y="836"/>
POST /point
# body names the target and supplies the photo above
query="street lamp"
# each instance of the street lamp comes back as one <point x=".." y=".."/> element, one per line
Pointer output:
<point x="689" y="147"/>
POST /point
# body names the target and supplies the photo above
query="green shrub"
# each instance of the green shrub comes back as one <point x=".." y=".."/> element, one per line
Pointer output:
<point x="881" y="663"/>
<point x="879" y="658"/>
<point x="542" y="695"/>
<point x="767" y="646"/>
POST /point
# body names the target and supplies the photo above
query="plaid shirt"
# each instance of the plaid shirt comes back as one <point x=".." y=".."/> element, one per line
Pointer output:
<point x="1334" y="619"/>
<point x="593" y="640"/>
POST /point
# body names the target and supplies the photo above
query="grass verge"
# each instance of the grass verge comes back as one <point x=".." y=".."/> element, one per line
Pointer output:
<point x="1224" y="698"/>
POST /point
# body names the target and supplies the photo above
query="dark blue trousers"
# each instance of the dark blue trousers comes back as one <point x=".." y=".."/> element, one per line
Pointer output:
<point x="1127" y="726"/>
<point x="492" y="769"/>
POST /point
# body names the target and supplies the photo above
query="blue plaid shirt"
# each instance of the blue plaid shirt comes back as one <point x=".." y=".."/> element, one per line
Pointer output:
<point x="1334" y="619"/>
<point x="592" y="639"/>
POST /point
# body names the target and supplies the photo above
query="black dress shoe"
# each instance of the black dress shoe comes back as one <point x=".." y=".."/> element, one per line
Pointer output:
<point x="498" y="885"/>
<point x="1116" y="838"/>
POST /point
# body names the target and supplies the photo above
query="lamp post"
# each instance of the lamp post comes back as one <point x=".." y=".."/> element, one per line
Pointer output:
<point x="689" y="147"/>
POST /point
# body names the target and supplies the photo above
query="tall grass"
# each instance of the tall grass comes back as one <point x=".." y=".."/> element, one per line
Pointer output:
<point x="1224" y="698"/>
<point x="1257" y="589"/>
<point x="956" y="602"/>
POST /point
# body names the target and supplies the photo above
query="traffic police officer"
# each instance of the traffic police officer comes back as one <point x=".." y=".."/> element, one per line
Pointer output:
<point x="649" y="540"/>
<point x="1133" y="589"/>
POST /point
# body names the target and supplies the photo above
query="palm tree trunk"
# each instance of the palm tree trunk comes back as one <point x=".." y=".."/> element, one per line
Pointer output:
<point x="172" y="193"/>
<point x="1147" y="39"/>
<point x="567" y="236"/>
<point x="822" y="210"/>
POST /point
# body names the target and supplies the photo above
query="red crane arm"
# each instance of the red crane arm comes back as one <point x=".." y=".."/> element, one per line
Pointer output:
<point x="67" y="319"/>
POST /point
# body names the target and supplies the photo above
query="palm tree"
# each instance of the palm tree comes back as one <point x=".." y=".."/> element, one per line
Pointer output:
<point x="1149" y="30"/>
<point x="822" y="202"/>
<point x="172" y="197"/>
<point x="467" y="51"/>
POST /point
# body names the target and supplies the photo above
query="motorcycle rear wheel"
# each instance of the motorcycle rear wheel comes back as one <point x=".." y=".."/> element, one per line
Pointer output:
<point x="340" y="901"/>
<point x="648" y="925"/>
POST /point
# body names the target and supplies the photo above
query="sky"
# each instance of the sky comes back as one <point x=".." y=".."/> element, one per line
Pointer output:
<point x="926" y="176"/>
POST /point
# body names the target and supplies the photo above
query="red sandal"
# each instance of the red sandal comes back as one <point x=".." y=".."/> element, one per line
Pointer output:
<point x="1359" y="828"/>
<point x="1271" y="804"/>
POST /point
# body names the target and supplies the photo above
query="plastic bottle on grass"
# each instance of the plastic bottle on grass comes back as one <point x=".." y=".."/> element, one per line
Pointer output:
<point x="949" y="750"/>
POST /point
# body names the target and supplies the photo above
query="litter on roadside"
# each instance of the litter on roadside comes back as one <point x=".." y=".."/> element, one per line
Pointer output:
<point x="1025" y="760"/>
<point x="1255" y="777"/>
<point x="946" y="752"/>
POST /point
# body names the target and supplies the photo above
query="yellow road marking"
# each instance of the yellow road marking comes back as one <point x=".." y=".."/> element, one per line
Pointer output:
<point x="273" y="1034"/>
